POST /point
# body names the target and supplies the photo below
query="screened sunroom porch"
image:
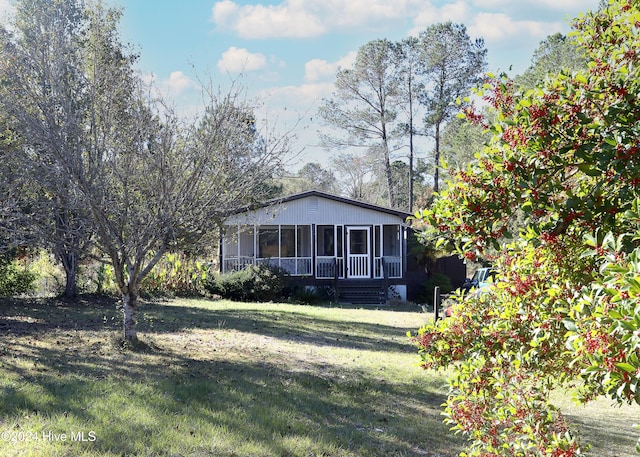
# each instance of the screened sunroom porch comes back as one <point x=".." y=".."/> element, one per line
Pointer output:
<point x="320" y="251"/>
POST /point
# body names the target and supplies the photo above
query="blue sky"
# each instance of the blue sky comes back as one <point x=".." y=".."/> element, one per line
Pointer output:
<point x="288" y="51"/>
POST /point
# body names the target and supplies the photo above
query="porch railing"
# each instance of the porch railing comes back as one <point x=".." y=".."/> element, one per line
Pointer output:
<point x="359" y="266"/>
<point x="329" y="267"/>
<point x="295" y="266"/>
<point x="392" y="266"/>
<point x="236" y="263"/>
<point x="326" y="267"/>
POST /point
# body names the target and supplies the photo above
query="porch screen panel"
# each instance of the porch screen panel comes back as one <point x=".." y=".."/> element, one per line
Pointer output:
<point x="339" y="246"/>
<point x="247" y="242"/>
<point x="304" y="262"/>
<point x="287" y="241"/>
<point x="326" y="251"/>
<point x="239" y="248"/>
<point x="268" y="242"/>
<point x="377" y="252"/>
<point x="391" y="236"/>
<point x="304" y="241"/>
<point x="326" y="242"/>
<point x="230" y="247"/>
<point x="392" y="250"/>
<point x="230" y="253"/>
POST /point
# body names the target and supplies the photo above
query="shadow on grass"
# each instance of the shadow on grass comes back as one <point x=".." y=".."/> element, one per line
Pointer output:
<point x="99" y="313"/>
<point x="63" y="369"/>
<point x="610" y="433"/>
<point x="218" y="407"/>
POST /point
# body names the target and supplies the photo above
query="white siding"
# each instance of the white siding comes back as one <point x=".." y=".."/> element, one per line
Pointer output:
<point x="314" y="210"/>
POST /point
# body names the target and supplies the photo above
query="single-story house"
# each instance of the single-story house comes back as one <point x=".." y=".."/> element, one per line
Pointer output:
<point x="358" y="249"/>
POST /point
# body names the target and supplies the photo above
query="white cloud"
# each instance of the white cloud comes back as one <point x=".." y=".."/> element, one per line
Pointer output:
<point x="494" y="27"/>
<point x="356" y="13"/>
<point x="309" y="18"/>
<point x="548" y="6"/>
<point x="458" y="12"/>
<point x="237" y="60"/>
<point x="504" y="19"/>
<point x="321" y="70"/>
<point x="258" y="21"/>
<point x="565" y="5"/>
<point x="177" y="84"/>
<point x="297" y="98"/>
<point x="224" y="12"/>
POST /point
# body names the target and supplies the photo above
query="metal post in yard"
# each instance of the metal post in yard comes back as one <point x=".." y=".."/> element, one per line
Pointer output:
<point x="436" y="303"/>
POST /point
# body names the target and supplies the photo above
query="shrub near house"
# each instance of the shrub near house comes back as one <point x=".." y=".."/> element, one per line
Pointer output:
<point x="254" y="283"/>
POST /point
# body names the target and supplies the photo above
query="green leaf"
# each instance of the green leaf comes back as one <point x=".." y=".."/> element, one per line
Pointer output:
<point x="614" y="314"/>
<point x="570" y="325"/>
<point x="589" y="169"/>
<point x="626" y="367"/>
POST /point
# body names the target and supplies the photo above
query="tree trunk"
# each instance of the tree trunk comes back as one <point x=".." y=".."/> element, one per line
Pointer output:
<point x="436" y="161"/>
<point x="411" y="133"/>
<point x="411" y="165"/>
<point x="129" y="308"/>
<point x="388" y="170"/>
<point x="70" y="288"/>
<point x="70" y="263"/>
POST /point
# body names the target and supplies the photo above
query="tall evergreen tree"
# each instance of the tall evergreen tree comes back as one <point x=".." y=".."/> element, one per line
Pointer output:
<point x="362" y="105"/>
<point x="453" y="64"/>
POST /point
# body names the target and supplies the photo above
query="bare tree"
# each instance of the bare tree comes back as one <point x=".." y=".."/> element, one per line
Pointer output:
<point x="165" y="186"/>
<point x="146" y="181"/>
<point x="43" y="99"/>
<point x="312" y="176"/>
<point x="357" y="176"/>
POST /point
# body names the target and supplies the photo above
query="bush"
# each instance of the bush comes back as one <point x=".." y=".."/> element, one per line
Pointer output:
<point x="306" y="296"/>
<point x="177" y="274"/>
<point x="14" y="279"/>
<point x="257" y="283"/>
<point x="436" y="279"/>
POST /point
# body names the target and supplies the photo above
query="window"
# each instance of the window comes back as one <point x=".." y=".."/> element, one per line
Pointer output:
<point x="358" y="241"/>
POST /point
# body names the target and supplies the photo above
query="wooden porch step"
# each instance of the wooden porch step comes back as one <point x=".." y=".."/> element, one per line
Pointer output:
<point x="362" y="292"/>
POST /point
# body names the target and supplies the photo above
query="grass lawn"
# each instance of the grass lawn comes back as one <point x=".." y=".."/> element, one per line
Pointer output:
<point x="229" y="379"/>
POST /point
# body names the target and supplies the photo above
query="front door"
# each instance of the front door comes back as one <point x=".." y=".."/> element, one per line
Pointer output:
<point x="358" y="252"/>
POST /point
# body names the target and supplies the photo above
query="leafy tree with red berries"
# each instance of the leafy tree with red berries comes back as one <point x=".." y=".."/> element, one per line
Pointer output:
<point x="564" y="159"/>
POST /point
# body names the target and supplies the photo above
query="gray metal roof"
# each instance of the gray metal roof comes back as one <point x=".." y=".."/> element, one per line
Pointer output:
<point x="317" y="193"/>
